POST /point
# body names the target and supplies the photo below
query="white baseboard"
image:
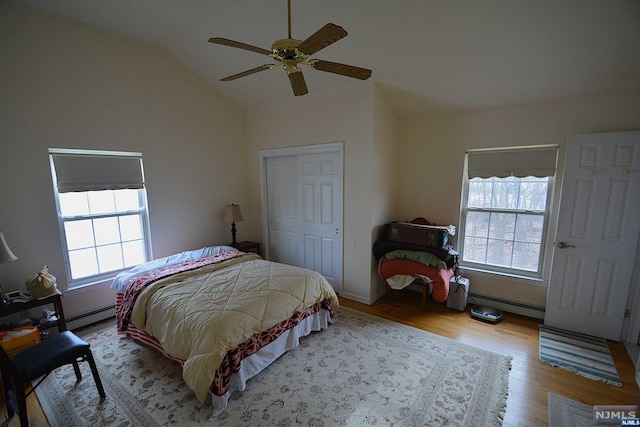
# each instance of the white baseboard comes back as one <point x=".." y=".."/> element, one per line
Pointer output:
<point x="356" y="298"/>
<point x="90" y="318"/>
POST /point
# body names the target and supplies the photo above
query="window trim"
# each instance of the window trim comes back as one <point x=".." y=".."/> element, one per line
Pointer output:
<point x="143" y="211"/>
<point x="506" y="271"/>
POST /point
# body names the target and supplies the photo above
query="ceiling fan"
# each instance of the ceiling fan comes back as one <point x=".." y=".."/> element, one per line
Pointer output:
<point x="291" y="53"/>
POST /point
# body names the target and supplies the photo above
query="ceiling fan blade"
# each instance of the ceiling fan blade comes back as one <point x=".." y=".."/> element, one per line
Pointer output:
<point x="322" y="38"/>
<point x="239" y="45"/>
<point x="342" y="69"/>
<point x="298" y="84"/>
<point x="247" y="73"/>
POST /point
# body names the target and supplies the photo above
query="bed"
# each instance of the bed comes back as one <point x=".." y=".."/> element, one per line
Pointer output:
<point x="223" y="314"/>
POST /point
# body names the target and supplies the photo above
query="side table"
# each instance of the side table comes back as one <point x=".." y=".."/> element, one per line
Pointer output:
<point x="248" y="246"/>
<point x="55" y="299"/>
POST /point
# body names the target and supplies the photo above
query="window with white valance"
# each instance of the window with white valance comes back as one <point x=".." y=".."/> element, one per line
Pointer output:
<point x="505" y="208"/>
<point x="539" y="161"/>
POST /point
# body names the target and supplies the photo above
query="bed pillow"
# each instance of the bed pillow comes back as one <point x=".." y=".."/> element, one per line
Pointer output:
<point x="124" y="278"/>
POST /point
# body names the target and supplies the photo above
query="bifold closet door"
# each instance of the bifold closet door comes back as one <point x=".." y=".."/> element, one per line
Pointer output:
<point x="304" y="198"/>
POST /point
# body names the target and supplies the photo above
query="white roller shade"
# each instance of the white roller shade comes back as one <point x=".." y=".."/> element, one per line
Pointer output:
<point x="94" y="172"/>
<point x="520" y="162"/>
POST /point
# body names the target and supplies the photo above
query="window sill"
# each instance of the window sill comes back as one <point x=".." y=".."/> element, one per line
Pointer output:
<point x="89" y="285"/>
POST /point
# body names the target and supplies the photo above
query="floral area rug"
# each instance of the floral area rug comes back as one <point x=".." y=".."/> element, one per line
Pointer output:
<point x="363" y="370"/>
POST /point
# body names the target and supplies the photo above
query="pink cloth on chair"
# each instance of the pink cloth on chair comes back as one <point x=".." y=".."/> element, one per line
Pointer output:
<point x="439" y="277"/>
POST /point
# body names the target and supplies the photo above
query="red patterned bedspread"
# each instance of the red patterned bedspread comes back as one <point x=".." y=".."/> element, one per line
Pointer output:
<point x="123" y="310"/>
<point x="231" y="362"/>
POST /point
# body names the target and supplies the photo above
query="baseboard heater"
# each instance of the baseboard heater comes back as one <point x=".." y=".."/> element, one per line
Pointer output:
<point x="528" y="310"/>
<point x="91" y="317"/>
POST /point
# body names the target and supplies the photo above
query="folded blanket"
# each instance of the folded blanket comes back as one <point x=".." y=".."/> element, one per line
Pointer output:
<point x="382" y="247"/>
<point x="426" y="258"/>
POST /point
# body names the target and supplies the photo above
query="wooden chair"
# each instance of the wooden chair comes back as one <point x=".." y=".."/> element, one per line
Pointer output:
<point x="40" y="360"/>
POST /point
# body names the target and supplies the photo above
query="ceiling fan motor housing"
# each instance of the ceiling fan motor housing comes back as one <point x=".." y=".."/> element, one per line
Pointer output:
<point x="285" y="44"/>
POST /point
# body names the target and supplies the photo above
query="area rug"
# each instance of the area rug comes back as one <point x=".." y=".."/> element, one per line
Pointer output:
<point x="564" y="412"/>
<point x="362" y="370"/>
<point x="582" y="354"/>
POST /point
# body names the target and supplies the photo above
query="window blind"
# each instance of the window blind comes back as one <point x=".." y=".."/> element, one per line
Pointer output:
<point x="94" y="171"/>
<point x="538" y="161"/>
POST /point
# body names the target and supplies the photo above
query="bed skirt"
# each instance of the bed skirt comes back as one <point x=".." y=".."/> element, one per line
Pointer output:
<point x="255" y="363"/>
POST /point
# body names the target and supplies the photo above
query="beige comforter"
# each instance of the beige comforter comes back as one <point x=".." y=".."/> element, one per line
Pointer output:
<point x="200" y="315"/>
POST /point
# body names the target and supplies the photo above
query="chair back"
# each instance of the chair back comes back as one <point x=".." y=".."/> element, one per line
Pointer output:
<point x="9" y="368"/>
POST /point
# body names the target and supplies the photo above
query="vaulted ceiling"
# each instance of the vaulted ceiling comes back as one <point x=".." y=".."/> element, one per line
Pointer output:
<point x="427" y="55"/>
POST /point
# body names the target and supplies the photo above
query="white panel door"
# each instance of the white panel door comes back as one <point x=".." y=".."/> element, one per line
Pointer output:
<point x="598" y="228"/>
<point x="321" y="208"/>
<point x="283" y="209"/>
<point x="304" y="204"/>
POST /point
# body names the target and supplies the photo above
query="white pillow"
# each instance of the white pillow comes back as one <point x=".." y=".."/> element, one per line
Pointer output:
<point x="125" y="278"/>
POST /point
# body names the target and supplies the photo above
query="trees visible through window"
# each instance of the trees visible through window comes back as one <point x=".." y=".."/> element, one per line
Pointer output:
<point x="505" y="222"/>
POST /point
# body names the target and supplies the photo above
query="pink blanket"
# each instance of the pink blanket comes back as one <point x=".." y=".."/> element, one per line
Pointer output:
<point x="439" y="277"/>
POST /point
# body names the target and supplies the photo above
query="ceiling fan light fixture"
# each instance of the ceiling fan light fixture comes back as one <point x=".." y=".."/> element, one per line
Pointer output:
<point x="291" y="66"/>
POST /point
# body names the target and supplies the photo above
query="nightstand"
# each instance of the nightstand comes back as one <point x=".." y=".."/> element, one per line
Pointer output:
<point x="247" y="246"/>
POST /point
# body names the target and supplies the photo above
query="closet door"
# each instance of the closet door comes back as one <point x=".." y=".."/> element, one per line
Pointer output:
<point x="283" y="210"/>
<point x="321" y="214"/>
<point x="304" y="208"/>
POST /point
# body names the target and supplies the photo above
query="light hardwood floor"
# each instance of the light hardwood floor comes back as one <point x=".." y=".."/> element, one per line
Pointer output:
<point x="516" y="336"/>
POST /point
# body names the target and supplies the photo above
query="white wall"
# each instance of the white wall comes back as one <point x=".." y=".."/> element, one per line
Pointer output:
<point x="385" y="171"/>
<point x="432" y="154"/>
<point x="67" y="84"/>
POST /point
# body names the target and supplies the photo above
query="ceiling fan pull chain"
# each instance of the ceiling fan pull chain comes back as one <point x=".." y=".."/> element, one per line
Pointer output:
<point x="289" y="16"/>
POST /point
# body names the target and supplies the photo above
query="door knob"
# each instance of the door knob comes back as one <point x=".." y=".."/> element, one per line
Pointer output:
<point x="563" y="245"/>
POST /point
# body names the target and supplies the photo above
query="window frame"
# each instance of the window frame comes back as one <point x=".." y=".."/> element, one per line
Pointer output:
<point x="142" y="211"/>
<point x="497" y="269"/>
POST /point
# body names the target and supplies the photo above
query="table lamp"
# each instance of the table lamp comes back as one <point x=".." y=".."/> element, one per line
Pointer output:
<point x="232" y="214"/>
<point x="5" y="256"/>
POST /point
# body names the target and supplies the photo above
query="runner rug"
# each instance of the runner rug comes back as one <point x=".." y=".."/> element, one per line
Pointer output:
<point x="361" y="370"/>
<point x="582" y="354"/>
<point x="564" y="412"/>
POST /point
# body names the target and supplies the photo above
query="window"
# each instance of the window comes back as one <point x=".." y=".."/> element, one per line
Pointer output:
<point x="505" y="209"/>
<point x="102" y="213"/>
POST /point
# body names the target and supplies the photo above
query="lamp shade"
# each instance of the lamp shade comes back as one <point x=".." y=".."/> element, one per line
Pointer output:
<point x="232" y="213"/>
<point x="5" y="252"/>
